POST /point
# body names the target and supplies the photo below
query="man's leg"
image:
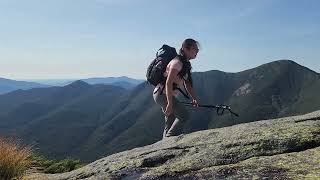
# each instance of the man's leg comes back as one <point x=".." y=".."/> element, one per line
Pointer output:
<point x="181" y="114"/>
<point x="168" y="123"/>
<point x="161" y="99"/>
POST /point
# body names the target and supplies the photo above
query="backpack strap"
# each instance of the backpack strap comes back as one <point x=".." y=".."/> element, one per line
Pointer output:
<point x="174" y="88"/>
<point x="160" y="88"/>
<point x="179" y="89"/>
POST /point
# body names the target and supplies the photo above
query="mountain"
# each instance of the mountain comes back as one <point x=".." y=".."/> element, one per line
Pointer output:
<point x="271" y="90"/>
<point x="123" y="81"/>
<point x="52" y="82"/>
<point x="62" y="115"/>
<point x="7" y="85"/>
<point x="110" y="80"/>
<point x="132" y="119"/>
<point x="124" y="84"/>
<point x="286" y="148"/>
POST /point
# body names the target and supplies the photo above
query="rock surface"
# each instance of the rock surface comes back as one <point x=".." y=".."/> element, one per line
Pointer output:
<point x="284" y="148"/>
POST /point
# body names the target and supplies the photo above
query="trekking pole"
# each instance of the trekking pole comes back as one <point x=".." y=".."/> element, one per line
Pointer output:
<point x="220" y="108"/>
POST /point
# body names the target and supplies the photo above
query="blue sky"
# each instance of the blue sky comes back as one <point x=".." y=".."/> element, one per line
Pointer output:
<point x="52" y="39"/>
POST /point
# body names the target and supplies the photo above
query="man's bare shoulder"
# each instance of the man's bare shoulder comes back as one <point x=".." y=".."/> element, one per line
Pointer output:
<point x="176" y="62"/>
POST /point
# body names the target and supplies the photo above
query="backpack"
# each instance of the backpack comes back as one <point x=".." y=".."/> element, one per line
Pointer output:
<point x="158" y="66"/>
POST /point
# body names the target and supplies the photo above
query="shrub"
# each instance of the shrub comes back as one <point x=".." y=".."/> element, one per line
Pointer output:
<point x="14" y="159"/>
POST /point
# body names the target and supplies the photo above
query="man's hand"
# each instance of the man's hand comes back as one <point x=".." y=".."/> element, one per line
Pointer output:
<point x="168" y="110"/>
<point x="195" y="103"/>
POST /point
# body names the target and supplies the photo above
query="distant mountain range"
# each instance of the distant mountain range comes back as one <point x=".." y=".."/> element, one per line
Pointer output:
<point x="90" y="121"/>
<point x="7" y="85"/>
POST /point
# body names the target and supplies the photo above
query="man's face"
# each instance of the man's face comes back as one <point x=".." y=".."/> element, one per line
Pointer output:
<point x="193" y="51"/>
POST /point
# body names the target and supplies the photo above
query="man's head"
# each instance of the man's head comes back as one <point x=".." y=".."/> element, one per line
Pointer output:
<point x="189" y="48"/>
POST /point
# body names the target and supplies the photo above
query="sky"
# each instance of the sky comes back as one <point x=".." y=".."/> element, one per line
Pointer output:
<point x="75" y="39"/>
